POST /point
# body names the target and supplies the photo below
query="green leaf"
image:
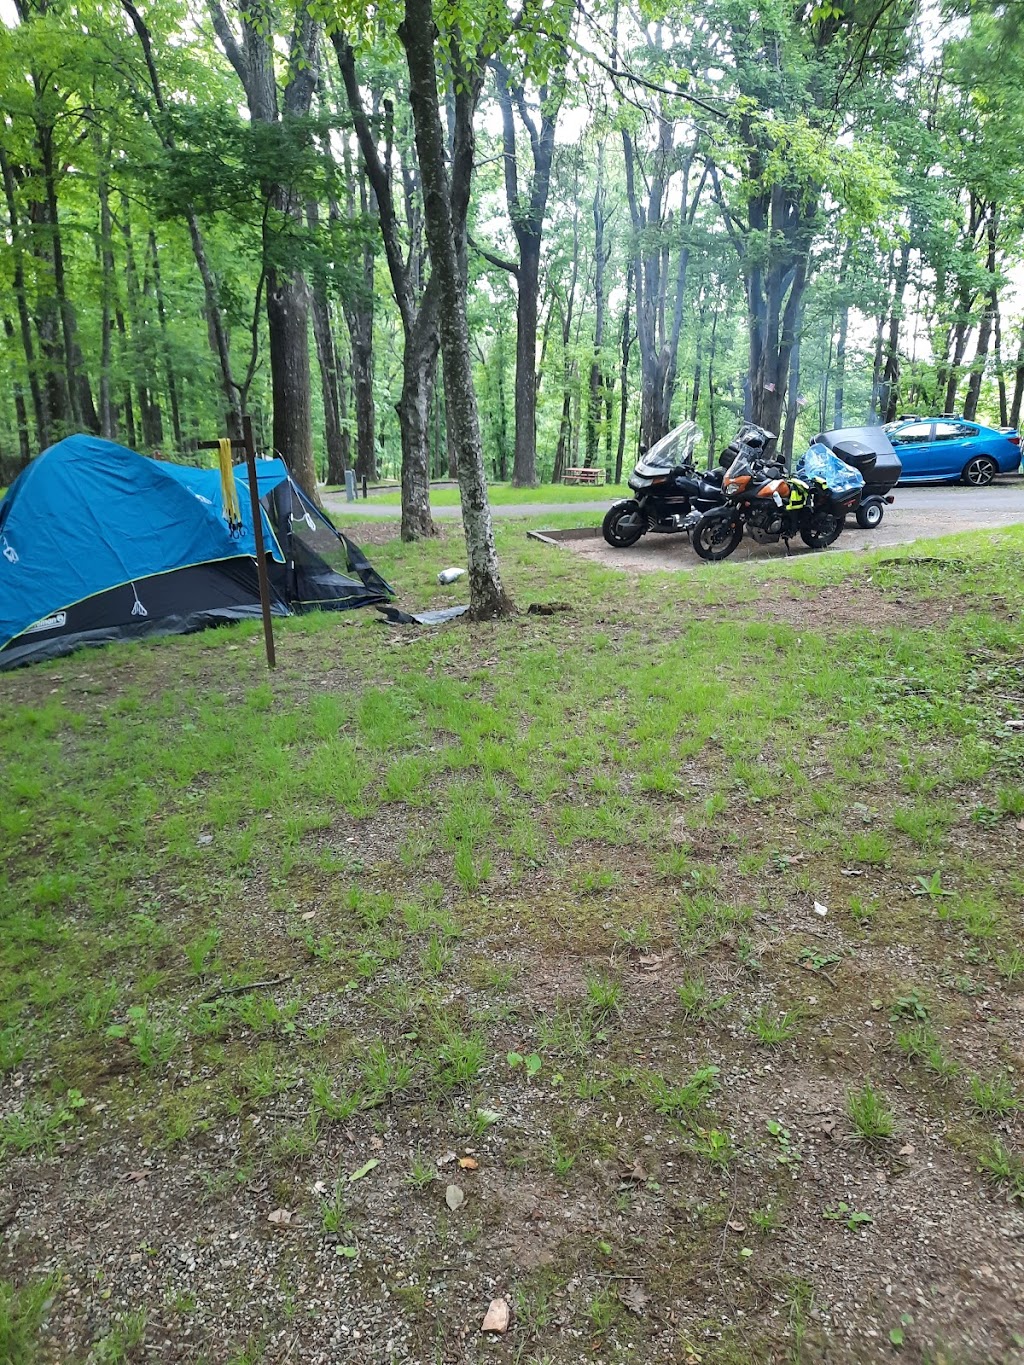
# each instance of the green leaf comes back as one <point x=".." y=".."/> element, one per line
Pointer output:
<point x="350" y="1252"/>
<point x="896" y="1336"/>
<point x="365" y="1169"/>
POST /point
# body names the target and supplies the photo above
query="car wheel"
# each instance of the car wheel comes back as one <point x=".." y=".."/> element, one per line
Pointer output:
<point x="980" y="471"/>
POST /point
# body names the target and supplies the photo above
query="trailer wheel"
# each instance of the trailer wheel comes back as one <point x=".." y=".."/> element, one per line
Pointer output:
<point x="869" y="515"/>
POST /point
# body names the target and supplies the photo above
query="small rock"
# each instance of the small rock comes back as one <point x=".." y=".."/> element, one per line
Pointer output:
<point x="819" y="909"/>
<point x="497" y="1315"/>
<point x="454" y="1197"/>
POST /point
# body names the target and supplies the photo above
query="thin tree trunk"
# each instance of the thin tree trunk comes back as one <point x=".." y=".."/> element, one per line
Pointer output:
<point x="172" y="382"/>
<point x="328" y="362"/>
<point x="624" y="349"/>
<point x="988" y="318"/>
<point x="107" y="413"/>
<point x="1018" y="383"/>
<point x="891" y="375"/>
<point x="20" y="411"/>
<point x="597" y="381"/>
<point x="214" y="316"/>
<point x="792" y="404"/>
<point x="839" y="392"/>
<point x="39" y="405"/>
<point x="1000" y="373"/>
<point x="488" y="597"/>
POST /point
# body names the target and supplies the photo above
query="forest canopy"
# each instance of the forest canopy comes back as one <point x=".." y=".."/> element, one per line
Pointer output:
<point x="801" y="213"/>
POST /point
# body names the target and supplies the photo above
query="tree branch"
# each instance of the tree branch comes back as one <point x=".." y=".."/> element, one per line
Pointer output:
<point x="502" y="264"/>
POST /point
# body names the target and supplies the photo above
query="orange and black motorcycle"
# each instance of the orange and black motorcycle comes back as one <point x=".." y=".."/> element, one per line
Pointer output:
<point x="772" y="506"/>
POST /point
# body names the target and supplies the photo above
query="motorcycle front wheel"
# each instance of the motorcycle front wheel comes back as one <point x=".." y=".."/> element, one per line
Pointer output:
<point x="825" y="529"/>
<point x="623" y="526"/>
<point x="716" y="538"/>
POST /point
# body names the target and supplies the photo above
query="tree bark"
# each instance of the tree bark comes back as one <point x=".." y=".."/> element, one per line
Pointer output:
<point x="988" y="318"/>
<point x="416" y="300"/>
<point x="417" y="33"/>
<point x="211" y="295"/>
<point x="891" y="375"/>
<point x="172" y="381"/>
<point x="108" y="411"/>
<point x="601" y="255"/>
<point x="526" y="211"/>
<point x="624" y="373"/>
<point x="327" y="359"/>
<point x="20" y="411"/>
<point x="252" y="57"/>
<point x="1018" y="384"/>
<point x="39" y="405"/>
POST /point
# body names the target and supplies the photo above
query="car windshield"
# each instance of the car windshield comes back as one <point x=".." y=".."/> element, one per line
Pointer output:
<point x="675" y="448"/>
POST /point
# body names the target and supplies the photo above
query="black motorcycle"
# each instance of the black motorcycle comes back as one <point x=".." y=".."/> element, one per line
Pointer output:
<point x="770" y="505"/>
<point x="667" y="487"/>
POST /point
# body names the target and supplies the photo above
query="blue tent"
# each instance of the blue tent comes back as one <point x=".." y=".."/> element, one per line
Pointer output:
<point x="98" y="543"/>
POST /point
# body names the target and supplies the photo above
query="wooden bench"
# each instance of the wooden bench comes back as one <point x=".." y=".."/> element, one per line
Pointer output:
<point x="580" y="475"/>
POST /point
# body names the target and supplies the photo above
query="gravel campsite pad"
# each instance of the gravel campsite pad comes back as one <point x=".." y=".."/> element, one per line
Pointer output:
<point x="642" y="981"/>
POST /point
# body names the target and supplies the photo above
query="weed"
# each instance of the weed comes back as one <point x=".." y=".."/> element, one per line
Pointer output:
<point x="531" y="1064"/>
<point x="766" y="1220"/>
<point x="337" y="1108"/>
<point x="154" y="1045"/>
<point x="1003" y="1166"/>
<point x="714" y="1145"/>
<point x="459" y="1056"/>
<point x="96" y="1007"/>
<point x="22" y="1314"/>
<point x="604" y="998"/>
<point x="870" y="1115"/>
<point x="680" y="1101"/>
<point x="908" y="1006"/>
<point x="931" y="886"/>
<point x="603" y="1311"/>
<point x="696" y="1001"/>
<point x="842" y="1213"/>
<point x="993" y="1098"/>
<point x="1010" y="964"/>
<point x="786" y="1154"/>
<point x="421" y="1171"/>
<point x="384" y="1074"/>
<point x="117" y="1347"/>
<point x="201" y="949"/>
<point x="919" y="1043"/>
<point x="334" y="1214"/>
<point x="773" y="1029"/>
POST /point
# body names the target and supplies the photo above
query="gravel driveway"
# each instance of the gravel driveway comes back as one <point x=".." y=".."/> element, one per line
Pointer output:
<point x="917" y="514"/>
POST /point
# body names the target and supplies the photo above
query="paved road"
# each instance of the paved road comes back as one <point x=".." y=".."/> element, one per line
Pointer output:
<point x="1003" y="502"/>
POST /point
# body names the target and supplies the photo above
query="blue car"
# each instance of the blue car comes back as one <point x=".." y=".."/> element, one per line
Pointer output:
<point x="942" y="449"/>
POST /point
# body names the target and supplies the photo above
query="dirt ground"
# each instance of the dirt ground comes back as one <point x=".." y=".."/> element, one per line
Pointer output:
<point x="901" y="526"/>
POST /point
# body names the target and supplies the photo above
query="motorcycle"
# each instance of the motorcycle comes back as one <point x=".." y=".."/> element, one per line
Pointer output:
<point x="761" y="499"/>
<point x="667" y="487"/>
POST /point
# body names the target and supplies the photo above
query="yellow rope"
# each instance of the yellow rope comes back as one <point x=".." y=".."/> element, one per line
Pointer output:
<point x="228" y="487"/>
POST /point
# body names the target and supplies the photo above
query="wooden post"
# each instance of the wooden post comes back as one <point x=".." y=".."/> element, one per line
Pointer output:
<point x="257" y="526"/>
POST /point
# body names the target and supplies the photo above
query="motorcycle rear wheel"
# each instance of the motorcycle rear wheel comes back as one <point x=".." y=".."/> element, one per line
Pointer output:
<point x="715" y="539"/>
<point x="623" y="526"/>
<point x="825" y="530"/>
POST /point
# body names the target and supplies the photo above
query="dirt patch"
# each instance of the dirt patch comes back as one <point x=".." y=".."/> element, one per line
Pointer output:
<point x="902" y="526"/>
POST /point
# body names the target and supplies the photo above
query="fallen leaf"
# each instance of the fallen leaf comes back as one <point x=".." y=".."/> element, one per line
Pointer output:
<point x="136" y="1176"/>
<point x="468" y="1163"/>
<point x="634" y="1297"/>
<point x="828" y="1126"/>
<point x="852" y="871"/>
<point x="650" y="962"/>
<point x="907" y="1149"/>
<point x="364" y="1169"/>
<point x="454" y="1197"/>
<point x="205" y="839"/>
<point x="310" y="914"/>
<point x="446" y="1158"/>
<point x="1020" y="824"/>
<point x="746" y="1253"/>
<point x="734" y="1225"/>
<point x="497" y="1315"/>
<point x="377" y="1143"/>
<point x="281" y="1218"/>
<point x="635" y="1172"/>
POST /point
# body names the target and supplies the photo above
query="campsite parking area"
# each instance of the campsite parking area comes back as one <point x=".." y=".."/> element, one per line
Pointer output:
<point x="665" y="983"/>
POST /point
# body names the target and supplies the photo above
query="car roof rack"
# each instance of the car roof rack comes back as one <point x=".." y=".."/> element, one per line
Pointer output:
<point x="909" y="417"/>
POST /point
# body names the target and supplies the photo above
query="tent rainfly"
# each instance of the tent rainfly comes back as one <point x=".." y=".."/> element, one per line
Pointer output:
<point x="99" y="543"/>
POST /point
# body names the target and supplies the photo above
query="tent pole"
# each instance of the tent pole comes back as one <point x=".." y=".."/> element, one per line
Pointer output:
<point x="257" y="526"/>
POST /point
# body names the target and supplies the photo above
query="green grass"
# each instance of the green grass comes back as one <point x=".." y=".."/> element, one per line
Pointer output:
<point x="503" y="494"/>
<point x="267" y="929"/>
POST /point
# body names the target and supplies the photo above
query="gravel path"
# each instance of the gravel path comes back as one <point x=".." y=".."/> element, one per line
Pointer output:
<point x="1000" y="504"/>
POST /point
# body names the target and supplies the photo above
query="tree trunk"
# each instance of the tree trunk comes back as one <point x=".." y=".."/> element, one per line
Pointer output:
<point x="1018" y="384"/>
<point x="214" y="316"/>
<point x="524" y="460"/>
<point x="419" y="363"/>
<point x="891" y="375"/>
<point x="20" y="411"/>
<point x="328" y="362"/>
<point x="792" y="405"/>
<point x="597" y="380"/>
<point x="988" y="318"/>
<point x="417" y="34"/>
<point x="39" y="405"/>
<point x="108" y="412"/>
<point x="172" y="382"/>
<point x="839" y="392"/>
<point x="624" y="349"/>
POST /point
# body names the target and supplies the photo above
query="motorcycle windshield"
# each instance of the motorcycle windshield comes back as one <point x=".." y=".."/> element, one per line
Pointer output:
<point x="740" y="471"/>
<point x="674" y="449"/>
